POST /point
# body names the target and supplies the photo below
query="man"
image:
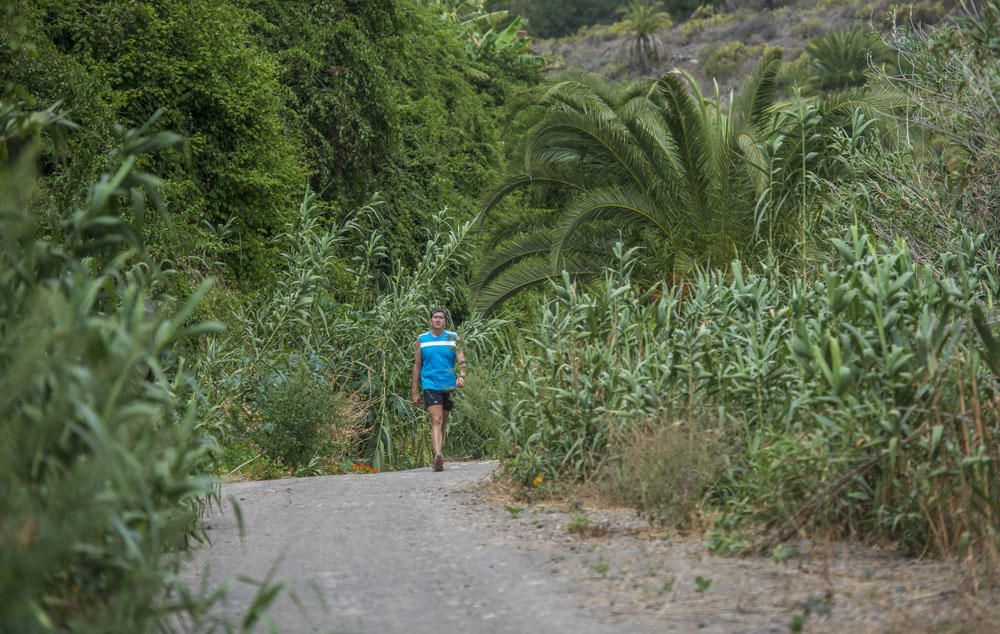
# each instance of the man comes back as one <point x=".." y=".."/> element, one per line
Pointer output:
<point x="434" y="361"/>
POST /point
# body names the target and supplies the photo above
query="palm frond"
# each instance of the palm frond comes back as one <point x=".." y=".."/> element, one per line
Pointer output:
<point x="664" y="165"/>
<point x="527" y="274"/>
<point x="605" y="142"/>
<point x="875" y="104"/>
<point x="528" y="245"/>
<point x="540" y="176"/>
<point x="752" y="105"/>
<point x="683" y="116"/>
<point x="628" y="206"/>
<point x="756" y="160"/>
<point x="493" y="196"/>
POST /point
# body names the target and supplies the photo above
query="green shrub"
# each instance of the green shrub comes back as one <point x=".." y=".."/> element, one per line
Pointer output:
<point x="841" y="59"/>
<point x="241" y="163"/>
<point x="297" y="410"/>
<point x="723" y="59"/>
<point x="588" y="369"/>
<point x="390" y="99"/>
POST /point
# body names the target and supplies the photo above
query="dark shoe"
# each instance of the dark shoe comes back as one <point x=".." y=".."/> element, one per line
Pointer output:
<point x="439" y="462"/>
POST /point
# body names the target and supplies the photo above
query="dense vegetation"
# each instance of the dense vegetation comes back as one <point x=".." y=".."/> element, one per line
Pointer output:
<point x="223" y="223"/>
<point x="318" y="148"/>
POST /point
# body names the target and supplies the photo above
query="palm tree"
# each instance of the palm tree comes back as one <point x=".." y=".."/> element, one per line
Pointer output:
<point x="654" y="161"/>
<point x="641" y="20"/>
<point x="658" y="163"/>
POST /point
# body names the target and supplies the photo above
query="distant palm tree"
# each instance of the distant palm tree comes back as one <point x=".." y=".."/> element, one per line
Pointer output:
<point x="840" y="59"/>
<point x="641" y="20"/>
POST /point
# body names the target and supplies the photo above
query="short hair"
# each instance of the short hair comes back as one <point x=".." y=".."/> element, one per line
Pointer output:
<point x="441" y="309"/>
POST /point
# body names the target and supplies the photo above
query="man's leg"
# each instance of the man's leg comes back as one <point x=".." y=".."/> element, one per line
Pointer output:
<point x="444" y="427"/>
<point x="437" y="435"/>
<point x="437" y="426"/>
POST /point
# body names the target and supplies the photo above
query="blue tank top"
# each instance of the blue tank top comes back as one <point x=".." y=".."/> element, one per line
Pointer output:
<point x="437" y="361"/>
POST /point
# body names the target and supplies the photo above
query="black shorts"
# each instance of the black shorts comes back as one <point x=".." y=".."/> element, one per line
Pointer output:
<point x="438" y="397"/>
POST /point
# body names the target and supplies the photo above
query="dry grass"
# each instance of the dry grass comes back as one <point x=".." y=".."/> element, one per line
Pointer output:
<point x="663" y="470"/>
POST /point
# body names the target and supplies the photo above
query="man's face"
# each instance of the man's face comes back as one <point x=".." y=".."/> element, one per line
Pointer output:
<point x="438" y="320"/>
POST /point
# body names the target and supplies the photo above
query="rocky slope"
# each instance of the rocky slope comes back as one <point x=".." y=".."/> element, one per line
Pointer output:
<point x="724" y="45"/>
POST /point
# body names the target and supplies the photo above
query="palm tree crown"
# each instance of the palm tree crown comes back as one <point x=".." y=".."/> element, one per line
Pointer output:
<point x="650" y="159"/>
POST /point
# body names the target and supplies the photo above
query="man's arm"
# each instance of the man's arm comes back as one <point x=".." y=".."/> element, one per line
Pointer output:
<point x="459" y="368"/>
<point x="415" y="376"/>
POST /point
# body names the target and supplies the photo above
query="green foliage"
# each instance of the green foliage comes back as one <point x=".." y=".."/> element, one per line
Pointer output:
<point x="848" y="399"/>
<point x="953" y="84"/>
<point x="260" y="391"/>
<point x="490" y="34"/>
<point x="198" y="61"/>
<point x="295" y="407"/>
<point x="588" y="370"/>
<point x="657" y="163"/>
<point x="336" y="62"/>
<point x="840" y="59"/>
<point x="723" y="59"/>
<point x="104" y="461"/>
<point x="392" y="100"/>
<point x="366" y="96"/>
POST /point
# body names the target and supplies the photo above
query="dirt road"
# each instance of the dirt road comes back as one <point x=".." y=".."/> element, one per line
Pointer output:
<point x="416" y="551"/>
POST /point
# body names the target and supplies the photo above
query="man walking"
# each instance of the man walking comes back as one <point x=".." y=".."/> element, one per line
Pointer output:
<point x="434" y="361"/>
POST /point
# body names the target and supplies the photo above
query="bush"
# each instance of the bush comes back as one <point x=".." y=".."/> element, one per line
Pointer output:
<point x="841" y="59"/>
<point x="590" y="369"/>
<point x="390" y="99"/>
<point x="298" y="413"/>
<point x="243" y="160"/>
<point x="722" y="60"/>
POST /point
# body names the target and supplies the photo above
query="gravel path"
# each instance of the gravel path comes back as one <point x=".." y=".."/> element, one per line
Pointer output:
<point x="416" y="551"/>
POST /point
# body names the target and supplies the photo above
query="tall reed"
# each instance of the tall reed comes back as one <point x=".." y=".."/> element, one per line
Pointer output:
<point x="854" y="402"/>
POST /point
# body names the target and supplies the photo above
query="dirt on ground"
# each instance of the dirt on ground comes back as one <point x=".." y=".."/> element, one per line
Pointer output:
<point x="635" y="570"/>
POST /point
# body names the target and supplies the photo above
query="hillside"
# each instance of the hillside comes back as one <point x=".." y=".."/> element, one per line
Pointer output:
<point x="724" y="43"/>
